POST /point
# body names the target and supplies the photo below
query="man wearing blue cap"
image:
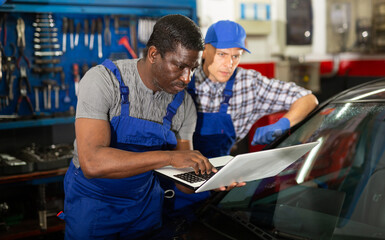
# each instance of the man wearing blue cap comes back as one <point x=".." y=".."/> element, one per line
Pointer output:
<point x="230" y="99"/>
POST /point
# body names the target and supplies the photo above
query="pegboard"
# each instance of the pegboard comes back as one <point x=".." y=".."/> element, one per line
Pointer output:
<point x="132" y="20"/>
<point x="81" y="55"/>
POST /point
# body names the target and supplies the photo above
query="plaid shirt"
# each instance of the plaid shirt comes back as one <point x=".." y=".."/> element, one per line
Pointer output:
<point x="254" y="96"/>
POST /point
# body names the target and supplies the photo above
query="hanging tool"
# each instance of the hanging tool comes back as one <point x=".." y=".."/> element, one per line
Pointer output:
<point x="75" y="71"/>
<point x="117" y="25"/>
<point x="78" y="28"/>
<point x="45" y="24"/>
<point x="47" y="61"/>
<point x="45" y="29"/>
<point x="56" y="89"/>
<point x="126" y="43"/>
<point x="9" y="67"/>
<point x="65" y="29"/>
<point x="93" y="31"/>
<point x="64" y="86"/>
<point x="37" y="104"/>
<point x="48" y="53"/>
<point x="50" y="83"/>
<point x="67" y="98"/>
<point x="71" y="31"/>
<point x="44" y="20"/>
<point x="3" y="21"/>
<point x="107" y="32"/>
<point x="40" y="70"/>
<point x="86" y="32"/>
<point x="45" y="46"/>
<point x="45" y="40"/>
<point x="62" y="80"/>
<point x="49" y="34"/>
<point x="20" y="27"/>
<point x="24" y="89"/>
<point x="100" y="44"/>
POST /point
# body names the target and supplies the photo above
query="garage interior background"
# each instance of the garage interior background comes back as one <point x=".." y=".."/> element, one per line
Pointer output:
<point x="324" y="45"/>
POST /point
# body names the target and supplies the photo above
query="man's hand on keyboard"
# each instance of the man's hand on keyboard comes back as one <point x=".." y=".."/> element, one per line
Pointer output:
<point x="191" y="158"/>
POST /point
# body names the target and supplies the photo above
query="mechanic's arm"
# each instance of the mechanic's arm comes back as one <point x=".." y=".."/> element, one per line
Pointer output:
<point x="183" y="145"/>
<point x="98" y="160"/>
<point x="297" y="112"/>
<point x="301" y="108"/>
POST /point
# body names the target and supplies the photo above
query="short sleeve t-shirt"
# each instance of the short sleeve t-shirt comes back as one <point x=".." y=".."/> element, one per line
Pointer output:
<point x="99" y="98"/>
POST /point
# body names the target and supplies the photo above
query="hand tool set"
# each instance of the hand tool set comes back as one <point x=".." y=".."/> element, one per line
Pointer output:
<point x="45" y="55"/>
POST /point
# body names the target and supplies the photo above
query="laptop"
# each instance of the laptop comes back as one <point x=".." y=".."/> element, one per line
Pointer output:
<point x="241" y="168"/>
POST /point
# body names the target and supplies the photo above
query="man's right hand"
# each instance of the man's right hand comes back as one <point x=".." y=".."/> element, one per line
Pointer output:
<point x="191" y="158"/>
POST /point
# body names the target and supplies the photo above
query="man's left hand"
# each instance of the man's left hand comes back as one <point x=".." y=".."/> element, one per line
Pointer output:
<point x="231" y="186"/>
<point x="267" y="134"/>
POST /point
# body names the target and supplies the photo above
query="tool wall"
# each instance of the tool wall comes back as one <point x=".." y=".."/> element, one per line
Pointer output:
<point x="46" y="48"/>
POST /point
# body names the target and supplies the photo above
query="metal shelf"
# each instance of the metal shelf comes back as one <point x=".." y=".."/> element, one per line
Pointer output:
<point x="127" y="7"/>
<point x="36" y="122"/>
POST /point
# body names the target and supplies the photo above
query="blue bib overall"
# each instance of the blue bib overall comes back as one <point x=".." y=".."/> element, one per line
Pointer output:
<point x="214" y="133"/>
<point x="214" y="136"/>
<point x="120" y="208"/>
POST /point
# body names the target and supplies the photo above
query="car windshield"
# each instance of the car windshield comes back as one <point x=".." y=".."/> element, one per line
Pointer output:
<point x="336" y="191"/>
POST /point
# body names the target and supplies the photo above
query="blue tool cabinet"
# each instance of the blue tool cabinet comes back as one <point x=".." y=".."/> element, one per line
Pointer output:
<point x="55" y="125"/>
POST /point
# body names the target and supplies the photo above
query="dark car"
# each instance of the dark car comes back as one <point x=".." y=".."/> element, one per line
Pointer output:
<point x="336" y="191"/>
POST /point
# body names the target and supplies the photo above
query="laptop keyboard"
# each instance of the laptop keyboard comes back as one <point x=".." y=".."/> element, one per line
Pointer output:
<point x="192" y="177"/>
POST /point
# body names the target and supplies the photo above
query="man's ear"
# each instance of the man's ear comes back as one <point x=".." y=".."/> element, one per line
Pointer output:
<point x="152" y="54"/>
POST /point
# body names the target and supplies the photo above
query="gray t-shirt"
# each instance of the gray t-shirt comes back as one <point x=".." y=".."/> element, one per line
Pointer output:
<point x="99" y="98"/>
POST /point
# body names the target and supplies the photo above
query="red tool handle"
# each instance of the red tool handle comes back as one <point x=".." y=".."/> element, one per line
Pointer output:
<point x="124" y="41"/>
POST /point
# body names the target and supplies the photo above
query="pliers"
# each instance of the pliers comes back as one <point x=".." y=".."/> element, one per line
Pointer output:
<point x="24" y="88"/>
<point x="20" y="27"/>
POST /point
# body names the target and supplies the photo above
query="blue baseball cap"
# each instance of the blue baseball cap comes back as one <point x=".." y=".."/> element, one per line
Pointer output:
<point x="226" y="34"/>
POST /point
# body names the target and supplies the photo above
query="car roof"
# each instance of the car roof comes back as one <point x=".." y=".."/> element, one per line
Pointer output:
<point x="372" y="91"/>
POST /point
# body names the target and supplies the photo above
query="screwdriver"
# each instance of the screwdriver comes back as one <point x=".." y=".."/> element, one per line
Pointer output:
<point x="71" y="30"/>
<point x="86" y="32"/>
<point x="93" y="28"/>
<point x="78" y="27"/>
<point x="65" y="28"/>
<point x="100" y="28"/>
<point x="107" y="32"/>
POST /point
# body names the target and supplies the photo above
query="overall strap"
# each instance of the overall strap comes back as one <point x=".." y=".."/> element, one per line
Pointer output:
<point x="227" y="93"/>
<point x="172" y="108"/>
<point x="124" y="91"/>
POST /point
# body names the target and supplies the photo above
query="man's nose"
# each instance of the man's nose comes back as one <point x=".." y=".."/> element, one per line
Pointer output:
<point x="229" y="62"/>
<point x="186" y="75"/>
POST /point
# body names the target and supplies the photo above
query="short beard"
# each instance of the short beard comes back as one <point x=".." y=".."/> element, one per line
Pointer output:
<point x="156" y="84"/>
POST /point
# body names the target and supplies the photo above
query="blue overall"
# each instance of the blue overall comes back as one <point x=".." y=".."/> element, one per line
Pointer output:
<point x="214" y="136"/>
<point x="120" y="208"/>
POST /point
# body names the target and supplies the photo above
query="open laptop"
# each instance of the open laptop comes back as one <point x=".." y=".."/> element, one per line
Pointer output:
<point x="241" y="168"/>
